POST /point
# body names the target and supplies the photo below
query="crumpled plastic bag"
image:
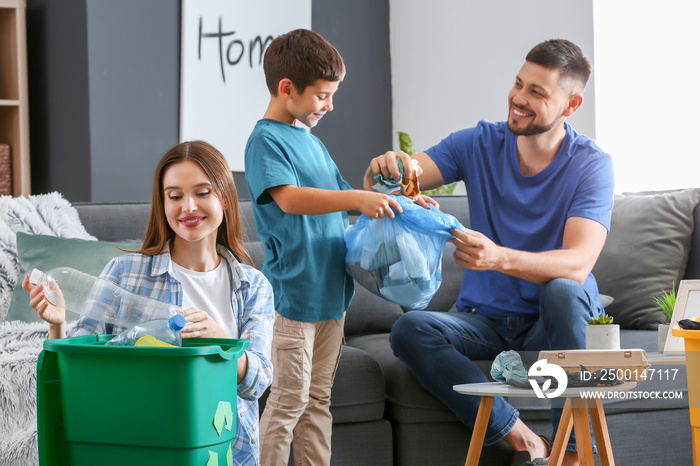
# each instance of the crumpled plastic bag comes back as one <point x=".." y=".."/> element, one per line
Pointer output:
<point x="399" y="259"/>
<point x="508" y="368"/>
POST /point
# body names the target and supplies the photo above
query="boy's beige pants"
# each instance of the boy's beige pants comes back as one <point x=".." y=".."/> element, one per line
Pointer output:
<point x="305" y="357"/>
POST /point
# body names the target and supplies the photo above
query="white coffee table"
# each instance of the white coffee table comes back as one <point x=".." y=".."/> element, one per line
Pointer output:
<point x="575" y="414"/>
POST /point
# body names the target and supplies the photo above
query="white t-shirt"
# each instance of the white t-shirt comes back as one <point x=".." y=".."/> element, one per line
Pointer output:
<point x="210" y="292"/>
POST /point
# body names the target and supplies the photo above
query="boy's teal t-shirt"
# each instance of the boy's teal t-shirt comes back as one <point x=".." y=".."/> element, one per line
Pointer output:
<point x="304" y="254"/>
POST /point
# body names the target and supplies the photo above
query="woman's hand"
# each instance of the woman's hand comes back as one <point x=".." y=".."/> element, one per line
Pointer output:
<point x="201" y="325"/>
<point x="55" y="316"/>
<point x="46" y="311"/>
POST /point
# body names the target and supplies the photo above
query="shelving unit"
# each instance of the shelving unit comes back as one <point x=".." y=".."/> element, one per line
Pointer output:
<point x="14" y="101"/>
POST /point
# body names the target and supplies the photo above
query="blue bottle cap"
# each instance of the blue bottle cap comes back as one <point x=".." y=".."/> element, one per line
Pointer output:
<point x="177" y="322"/>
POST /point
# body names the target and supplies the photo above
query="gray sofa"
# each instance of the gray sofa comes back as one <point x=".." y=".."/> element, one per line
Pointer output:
<point x="383" y="416"/>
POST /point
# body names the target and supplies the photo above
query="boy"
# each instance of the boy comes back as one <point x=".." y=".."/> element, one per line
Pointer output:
<point x="300" y="203"/>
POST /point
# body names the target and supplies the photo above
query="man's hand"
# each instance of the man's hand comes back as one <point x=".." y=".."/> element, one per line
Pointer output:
<point x="475" y="251"/>
<point x="583" y="240"/>
<point x="387" y="166"/>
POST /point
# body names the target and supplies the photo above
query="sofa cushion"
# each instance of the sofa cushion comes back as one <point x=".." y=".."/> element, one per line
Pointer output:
<point x="357" y="394"/>
<point x="46" y="252"/>
<point x="256" y="251"/>
<point x="114" y="221"/>
<point x="646" y="252"/>
<point x="250" y="229"/>
<point x="452" y="274"/>
<point x="358" y="388"/>
<point x="406" y="399"/>
<point x="368" y="313"/>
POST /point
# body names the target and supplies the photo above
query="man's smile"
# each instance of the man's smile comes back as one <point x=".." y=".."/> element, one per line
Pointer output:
<point x="519" y="112"/>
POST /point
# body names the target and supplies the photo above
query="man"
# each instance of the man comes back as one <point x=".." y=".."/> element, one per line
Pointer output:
<point x="540" y="197"/>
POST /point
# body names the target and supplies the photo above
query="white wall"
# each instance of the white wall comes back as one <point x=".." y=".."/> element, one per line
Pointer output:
<point x="645" y="86"/>
<point x="454" y="62"/>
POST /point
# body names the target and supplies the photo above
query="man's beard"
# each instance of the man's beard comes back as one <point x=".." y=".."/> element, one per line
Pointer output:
<point x="531" y="129"/>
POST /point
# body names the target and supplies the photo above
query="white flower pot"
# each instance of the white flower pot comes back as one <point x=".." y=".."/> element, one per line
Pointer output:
<point x="661" y="340"/>
<point x="603" y="336"/>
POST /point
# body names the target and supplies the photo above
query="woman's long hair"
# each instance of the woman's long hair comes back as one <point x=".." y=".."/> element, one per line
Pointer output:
<point x="230" y="233"/>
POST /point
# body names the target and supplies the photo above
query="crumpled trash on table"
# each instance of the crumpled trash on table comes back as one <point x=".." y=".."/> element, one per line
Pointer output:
<point x="508" y="368"/>
<point x="399" y="259"/>
<point x="409" y="187"/>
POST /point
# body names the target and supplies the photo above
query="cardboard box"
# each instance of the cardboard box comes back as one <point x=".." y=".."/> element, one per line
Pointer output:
<point x="626" y="365"/>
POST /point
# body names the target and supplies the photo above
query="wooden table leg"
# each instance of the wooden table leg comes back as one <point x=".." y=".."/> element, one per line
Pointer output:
<point x="600" y="431"/>
<point x="479" y="432"/>
<point x="566" y="422"/>
<point x="583" y="432"/>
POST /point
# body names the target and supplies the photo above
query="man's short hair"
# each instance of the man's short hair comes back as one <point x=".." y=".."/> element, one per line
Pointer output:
<point x="304" y="57"/>
<point x="565" y="56"/>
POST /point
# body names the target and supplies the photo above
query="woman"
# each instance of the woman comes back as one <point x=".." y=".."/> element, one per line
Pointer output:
<point x="193" y="256"/>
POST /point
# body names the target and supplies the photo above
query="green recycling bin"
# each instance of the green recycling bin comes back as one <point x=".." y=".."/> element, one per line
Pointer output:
<point x="115" y="405"/>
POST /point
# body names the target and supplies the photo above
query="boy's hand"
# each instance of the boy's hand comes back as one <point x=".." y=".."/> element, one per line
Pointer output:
<point x="386" y="166"/>
<point x="48" y="312"/>
<point x="377" y="205"/>
<point x="424" y="201"/>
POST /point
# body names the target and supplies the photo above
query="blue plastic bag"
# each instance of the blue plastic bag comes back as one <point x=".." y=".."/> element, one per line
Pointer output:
<point x="400" y="259"/>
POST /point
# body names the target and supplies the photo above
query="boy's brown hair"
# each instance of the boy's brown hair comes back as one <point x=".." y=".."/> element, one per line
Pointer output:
<point x="304" y="57"/>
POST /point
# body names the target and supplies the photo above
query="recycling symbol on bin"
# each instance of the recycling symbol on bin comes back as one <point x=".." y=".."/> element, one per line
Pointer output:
<point x="224" y="413"/>
<point x="222" y="418"/>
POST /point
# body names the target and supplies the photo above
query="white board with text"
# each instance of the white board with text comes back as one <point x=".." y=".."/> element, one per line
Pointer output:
<point x="222" y="84"/>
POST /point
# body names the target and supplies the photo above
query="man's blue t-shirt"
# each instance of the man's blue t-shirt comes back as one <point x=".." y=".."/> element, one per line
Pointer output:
<point x="526" y="213"/>
<point x="304" y="254"/>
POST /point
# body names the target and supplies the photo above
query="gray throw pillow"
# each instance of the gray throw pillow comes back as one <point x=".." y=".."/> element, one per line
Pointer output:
<point x="645" y="253"/>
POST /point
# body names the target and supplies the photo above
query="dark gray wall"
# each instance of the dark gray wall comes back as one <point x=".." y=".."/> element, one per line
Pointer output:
<point x="59" y="126"/>
<point x="134" y="69"/>
<point x="360" y="126"/>
<point x="104" y="92"/>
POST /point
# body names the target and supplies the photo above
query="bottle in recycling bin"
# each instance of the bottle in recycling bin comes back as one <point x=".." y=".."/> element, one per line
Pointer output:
<point x="164" y="330"/>
<point x="100" y="299"/>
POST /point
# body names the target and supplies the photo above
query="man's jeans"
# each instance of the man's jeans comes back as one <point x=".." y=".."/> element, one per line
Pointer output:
<point x="438" y="348"/>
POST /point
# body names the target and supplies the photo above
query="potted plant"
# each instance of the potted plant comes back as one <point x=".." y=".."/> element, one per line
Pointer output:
<point x="601" y="333"/>
<point x="666" y="302"/>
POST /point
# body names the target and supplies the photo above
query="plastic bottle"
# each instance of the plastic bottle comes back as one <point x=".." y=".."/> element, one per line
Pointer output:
<point x="100" y="299"/>
<point x="165" y="330"/>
